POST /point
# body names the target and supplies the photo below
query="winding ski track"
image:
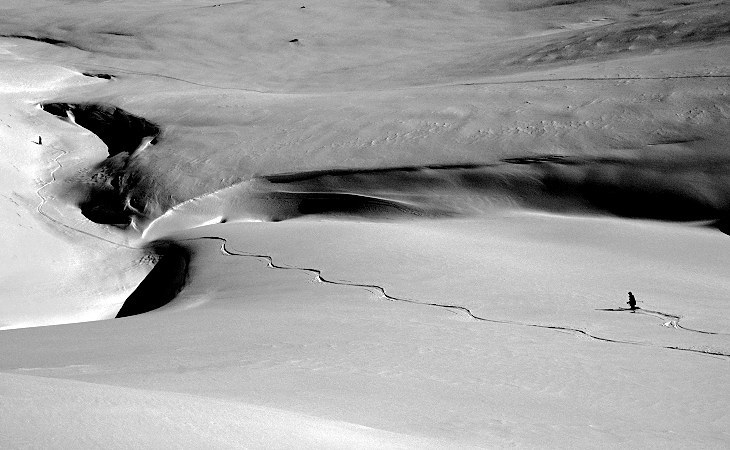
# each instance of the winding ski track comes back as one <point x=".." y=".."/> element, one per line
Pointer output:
<point x="673" y="320"/>
<point x="45" y="199"/>
<point x="53" y="179"/>
<point x="380" y="291"/>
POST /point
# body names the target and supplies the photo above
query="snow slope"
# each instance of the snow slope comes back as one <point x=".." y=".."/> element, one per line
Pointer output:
<point x="123" y="418"/>
<point x="524" y="376"/>
<point x="400" y="224"/>
<point x="55" y="267"/>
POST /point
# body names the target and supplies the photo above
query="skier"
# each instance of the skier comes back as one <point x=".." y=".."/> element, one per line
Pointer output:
<point x="632" y="301"/>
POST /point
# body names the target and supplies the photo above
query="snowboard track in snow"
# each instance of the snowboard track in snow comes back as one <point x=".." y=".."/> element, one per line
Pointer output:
<point x="379" y="290"/>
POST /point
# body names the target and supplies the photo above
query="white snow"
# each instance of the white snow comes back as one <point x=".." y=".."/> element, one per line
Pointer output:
<point x="499" y="324"/>
<point x="53" y="270"/>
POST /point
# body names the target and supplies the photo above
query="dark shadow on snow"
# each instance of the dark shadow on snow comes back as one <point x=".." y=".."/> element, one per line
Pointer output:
<point x="104" y="76"/>
<point x="680" y="190"/>
<point x="120" y="130"/>
<point x="108" y="194"/>
<point x="43" y="39"/>
<point x="162" y="284"/>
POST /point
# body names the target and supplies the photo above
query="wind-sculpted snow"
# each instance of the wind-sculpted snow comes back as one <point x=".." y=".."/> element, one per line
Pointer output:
<point x="122" y="188"/>
<point x="174" y="38"/>
<point x="625" y="187"/>
<point x="682" y="190"/>
<point x="647" y="32"/>
<point x="107" y="194"/>
<point x="677" y="191"/>
<point x="121" y="131"/>
<point x="162" y="284"/>
<point x="417" y="217"/>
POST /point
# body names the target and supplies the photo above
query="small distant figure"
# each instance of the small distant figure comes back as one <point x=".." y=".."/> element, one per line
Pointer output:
<point x="294" y="40"/>
<point x="632" y="301"/>
<point x="40" y="142"/>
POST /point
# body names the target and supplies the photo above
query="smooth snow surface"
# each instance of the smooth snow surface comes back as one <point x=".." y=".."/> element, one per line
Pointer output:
<point x="400" y="224"/>
<point x="56" y="265"/>
<point x="124" y="418"/>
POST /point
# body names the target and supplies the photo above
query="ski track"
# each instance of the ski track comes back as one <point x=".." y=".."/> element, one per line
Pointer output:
<point x="379" y="290"/>
<point x="673" y="320"/>
<point x="45" y="199"/>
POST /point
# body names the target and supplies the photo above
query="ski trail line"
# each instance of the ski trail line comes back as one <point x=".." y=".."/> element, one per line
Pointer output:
<point x="44" y="200"/>
<point x="451" y="307"/>
<point x="672" y="320"/>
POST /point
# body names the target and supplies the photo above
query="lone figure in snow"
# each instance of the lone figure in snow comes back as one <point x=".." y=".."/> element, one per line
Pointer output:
<point x="632" y="301"/>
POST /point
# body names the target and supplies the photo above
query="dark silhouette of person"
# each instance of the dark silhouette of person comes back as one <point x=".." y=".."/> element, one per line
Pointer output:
<point x="632" y="301"/>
